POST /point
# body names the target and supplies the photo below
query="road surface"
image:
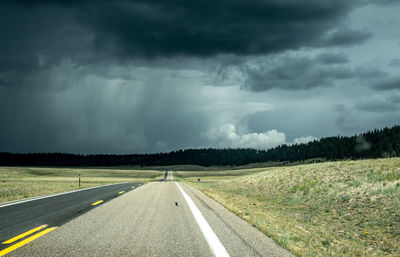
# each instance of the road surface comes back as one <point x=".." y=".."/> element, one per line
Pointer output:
<point x="18" y="217"/>
<point x="157" y="219"/>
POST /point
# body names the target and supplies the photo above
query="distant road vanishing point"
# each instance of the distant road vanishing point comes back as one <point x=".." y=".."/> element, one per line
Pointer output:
<point x="156" y="219"/>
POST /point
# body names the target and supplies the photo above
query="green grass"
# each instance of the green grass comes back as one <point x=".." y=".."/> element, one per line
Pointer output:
<point x="346" y="208"/>
<point x="213" y="175"/>
<point x="225" y="168"/>
<point x="24" y="182"/>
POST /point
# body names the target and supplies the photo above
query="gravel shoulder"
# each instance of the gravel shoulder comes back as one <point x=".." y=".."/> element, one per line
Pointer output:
<point x="238" y="236"/>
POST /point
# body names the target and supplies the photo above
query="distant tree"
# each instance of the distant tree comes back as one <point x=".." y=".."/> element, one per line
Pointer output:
<point x="372" y="144"/>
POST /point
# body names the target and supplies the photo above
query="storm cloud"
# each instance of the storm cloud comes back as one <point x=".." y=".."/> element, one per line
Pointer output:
<point x="387" y="83"/>
<point x="332" y="58"/>
<point x="377" y="103"/>
<point x="129" y="76"/>
<point x="197" y="28"/>
<point x="296" y="73"/>
<point x="346" y="37"/>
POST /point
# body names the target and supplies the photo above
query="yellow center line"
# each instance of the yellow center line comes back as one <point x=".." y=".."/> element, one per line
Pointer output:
<point x="25" y="241"/>
<point x="96" y="203"/>
<point x="121" y="192"/>
<point x="9" y="241"/>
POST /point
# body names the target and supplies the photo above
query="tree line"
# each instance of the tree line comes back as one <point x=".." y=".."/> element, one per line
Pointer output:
<point x="372" y="144"/>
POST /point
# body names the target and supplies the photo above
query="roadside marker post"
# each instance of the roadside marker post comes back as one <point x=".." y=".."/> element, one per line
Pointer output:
<point x="79" y="175"/>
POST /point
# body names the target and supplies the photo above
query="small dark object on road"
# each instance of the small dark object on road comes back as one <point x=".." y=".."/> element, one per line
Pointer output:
<point x="176" y="203"/>
<point x="198" y="180"/>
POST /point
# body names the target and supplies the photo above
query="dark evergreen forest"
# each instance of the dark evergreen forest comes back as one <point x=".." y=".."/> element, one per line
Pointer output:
<point x="372" y="144"/>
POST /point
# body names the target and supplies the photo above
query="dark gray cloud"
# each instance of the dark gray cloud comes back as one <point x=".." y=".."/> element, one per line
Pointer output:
<point x="35" y="39"/>
<point x="332" y="58"/>
<point x="387" y="83"/>
<point x="145" y="76"/>
<point x="350" y="120"/>
<point x="394" y="97"/>
<point x="346" y="37"/>
<point x="370" y="73"/>
<point x="67" y="110"/>
<point x="377" y="103"/>
<point x="199" y="28"/>
<point x="395" y="62"/>
<point x="299" y="120"/>
<point x="90" y="32"/>
<point x="294" y="73"/>
<point x="382" y="2"/>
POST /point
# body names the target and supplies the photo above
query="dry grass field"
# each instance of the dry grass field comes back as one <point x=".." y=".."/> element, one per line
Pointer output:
<point x="24" y="182"/>
<point x="345" y="208"/>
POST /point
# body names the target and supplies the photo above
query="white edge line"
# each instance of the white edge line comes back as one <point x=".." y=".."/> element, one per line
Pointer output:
<point x="48" y="196"/>
<point x="213" y="241"/>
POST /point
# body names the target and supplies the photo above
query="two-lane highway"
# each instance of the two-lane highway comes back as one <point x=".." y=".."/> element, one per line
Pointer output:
<point x="157" y="219"/>
<point x="24" y="220"/>
<point x="165" y="176"/>
<point x="169" y="177"/>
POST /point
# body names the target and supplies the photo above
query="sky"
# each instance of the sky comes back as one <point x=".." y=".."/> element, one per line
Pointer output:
<point x="141" y="76"/>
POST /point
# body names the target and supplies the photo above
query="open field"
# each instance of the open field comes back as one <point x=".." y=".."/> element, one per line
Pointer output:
<point x="24" y="182"/>
<point x="212" y="168"/>
<point x="225" y="168"/>
<point x="346" y="208"/>
<point x="209" y="175"/>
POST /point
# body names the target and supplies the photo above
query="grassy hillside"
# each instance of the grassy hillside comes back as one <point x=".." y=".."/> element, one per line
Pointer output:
<point x="347" y="208"/>
<point x="228" y="167"/>
<point x="23" y="182"/>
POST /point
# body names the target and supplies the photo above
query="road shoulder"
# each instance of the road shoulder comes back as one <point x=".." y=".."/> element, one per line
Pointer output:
<point x="234" y="232"/>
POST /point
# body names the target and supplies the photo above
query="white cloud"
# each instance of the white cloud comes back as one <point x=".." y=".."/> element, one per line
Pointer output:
<point x="304" y="140"/>
<point x="227" y="136"/>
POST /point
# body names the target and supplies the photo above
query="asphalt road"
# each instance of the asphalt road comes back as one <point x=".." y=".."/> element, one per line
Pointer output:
<point x="19" y="217"/>
<point x="157" y="219"/>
